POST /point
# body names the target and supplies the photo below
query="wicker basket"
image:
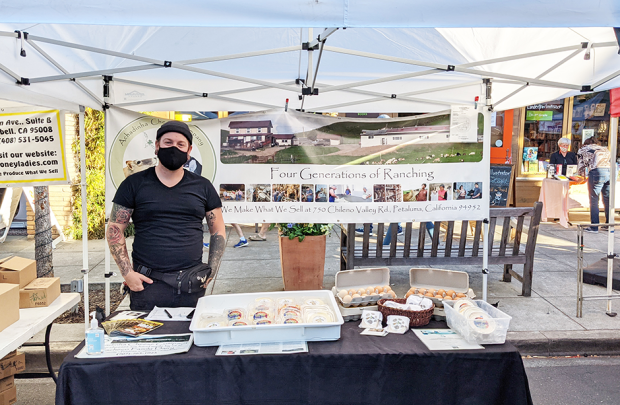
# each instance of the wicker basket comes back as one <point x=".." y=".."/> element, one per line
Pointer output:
<point x="416" y="318"/>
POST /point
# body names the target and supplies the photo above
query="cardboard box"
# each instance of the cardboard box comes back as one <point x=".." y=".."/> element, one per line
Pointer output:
<point x="17" y="270"/>
<point x="9" y="397"/>
<point x="39" y="293"/>
<point x="9" y="302"/>
<point x="7" y="383"/>
<point x="12" y="365"/>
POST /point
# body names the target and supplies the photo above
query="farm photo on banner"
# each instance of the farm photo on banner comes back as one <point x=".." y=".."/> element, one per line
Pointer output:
<point x="290" y="166"/>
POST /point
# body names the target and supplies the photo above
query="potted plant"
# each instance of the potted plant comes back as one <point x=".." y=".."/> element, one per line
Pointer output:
<point x="302" y="254"/>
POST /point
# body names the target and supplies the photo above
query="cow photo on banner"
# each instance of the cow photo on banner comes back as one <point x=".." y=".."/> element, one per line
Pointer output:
<point x="289" y="166"/>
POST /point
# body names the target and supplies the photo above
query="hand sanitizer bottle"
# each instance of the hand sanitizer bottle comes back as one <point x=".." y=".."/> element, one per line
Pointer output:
<point x="94" y="337"/>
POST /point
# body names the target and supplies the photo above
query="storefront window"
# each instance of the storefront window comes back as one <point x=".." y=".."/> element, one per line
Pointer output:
<point x="497" y="129"/>
<point x="543" y="128"/>
<point x="590" y="118"/>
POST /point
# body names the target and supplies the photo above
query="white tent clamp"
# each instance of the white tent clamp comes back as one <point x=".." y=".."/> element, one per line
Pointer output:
<point x="232" y="56"/>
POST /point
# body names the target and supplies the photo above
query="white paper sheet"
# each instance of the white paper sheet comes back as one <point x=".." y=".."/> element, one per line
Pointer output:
<point x="152" y="345"/>
<point x="128" y="315"/>
<point x="444" y="339"/>
<point x="262" y="348"/>
<point x="178" y="314"/>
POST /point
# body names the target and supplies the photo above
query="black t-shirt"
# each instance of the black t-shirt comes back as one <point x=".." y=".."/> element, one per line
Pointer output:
<point x="557" y="159"/>
<point x="167" y="220"/>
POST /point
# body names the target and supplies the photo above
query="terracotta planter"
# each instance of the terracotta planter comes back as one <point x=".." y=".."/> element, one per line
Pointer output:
<point x="303" y="263"/>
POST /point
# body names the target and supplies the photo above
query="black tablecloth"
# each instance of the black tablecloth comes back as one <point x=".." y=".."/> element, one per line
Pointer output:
<point x="392" y="370"/>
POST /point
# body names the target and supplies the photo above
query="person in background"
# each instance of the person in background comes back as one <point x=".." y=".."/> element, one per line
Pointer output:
<point x="477" y="192"/>
<point x="563" y="156"/>
<point x="261" y="236"/>
<point x="442" y="193"/>
<point x="422" y="194"/>
<point x="593" y="162"/>
<point x="462" y="193"/>
<point x="332" y="194"/>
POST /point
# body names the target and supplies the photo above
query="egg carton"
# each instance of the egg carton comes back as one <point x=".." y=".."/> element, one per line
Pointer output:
<point x="361" y="278"/>
<point x="437" y="279"/>
<point x="363" y="301"/>
<point x="355" y="313"/>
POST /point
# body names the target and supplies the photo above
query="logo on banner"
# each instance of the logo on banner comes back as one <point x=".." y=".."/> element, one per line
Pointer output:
<point x="133" y="150"/>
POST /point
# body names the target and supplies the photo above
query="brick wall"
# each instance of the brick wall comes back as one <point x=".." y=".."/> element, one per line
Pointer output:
<point x="61" y="196"/>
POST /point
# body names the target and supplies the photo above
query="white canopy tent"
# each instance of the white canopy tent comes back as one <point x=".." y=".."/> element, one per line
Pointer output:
<point x="365" y="57"/>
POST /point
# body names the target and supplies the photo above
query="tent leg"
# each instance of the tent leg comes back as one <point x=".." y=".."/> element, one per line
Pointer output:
<point x="85" y="269"/>
<point x="613" y="134"/>
<point x="485" y="259"/>
<point x="107" y="273"/>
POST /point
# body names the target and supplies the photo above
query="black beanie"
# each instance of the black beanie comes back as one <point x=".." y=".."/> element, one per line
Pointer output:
<point x="175" y="126"/>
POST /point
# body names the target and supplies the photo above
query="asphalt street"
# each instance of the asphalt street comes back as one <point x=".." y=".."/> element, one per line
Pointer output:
<point x="574" y="381"/>
<point x="553" y="381"/>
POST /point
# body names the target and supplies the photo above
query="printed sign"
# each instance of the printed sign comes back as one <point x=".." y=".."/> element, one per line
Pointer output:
<point x="32" y="149"/>
<point x="539" y="116"/>
<point x="278" y="166"/>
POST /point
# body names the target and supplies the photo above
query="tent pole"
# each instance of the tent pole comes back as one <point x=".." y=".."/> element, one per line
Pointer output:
<point x="83" y="176"/>
<point x="485" y="259"/>
<point x="94" y="73"/>
<point x="310" y="61"/>
<point x="63" y="70"/>
<point x="552" y="68"/>
<point x="106" y="248"/>
<point x="613" y="138"/>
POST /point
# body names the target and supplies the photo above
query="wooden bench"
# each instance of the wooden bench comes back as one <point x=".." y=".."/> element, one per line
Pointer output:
<point x="459" y="248"/>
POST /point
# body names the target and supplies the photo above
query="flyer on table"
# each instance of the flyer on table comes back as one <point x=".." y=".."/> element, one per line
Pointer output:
<point x="289" y="166"/>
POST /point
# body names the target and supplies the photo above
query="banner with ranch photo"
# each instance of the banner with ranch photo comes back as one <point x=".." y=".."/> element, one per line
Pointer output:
<point x="289" y="166"/>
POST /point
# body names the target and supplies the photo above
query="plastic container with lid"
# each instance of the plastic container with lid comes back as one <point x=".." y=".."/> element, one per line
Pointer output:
<point x="483" y="324"/>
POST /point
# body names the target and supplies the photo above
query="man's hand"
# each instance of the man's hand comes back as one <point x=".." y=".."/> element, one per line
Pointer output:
<point x="134" y="280"/>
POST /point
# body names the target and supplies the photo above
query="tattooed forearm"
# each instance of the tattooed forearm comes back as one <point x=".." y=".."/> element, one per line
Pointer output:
<point x="116" y="238"/>
<point x="211" y="218"/>
<point x="120" y="214"/>
<point x="217" y="244"/>
<point x="121" y="257"/>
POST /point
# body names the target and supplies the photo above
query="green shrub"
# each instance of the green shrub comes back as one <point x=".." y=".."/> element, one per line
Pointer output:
<point x="95" y="179"/>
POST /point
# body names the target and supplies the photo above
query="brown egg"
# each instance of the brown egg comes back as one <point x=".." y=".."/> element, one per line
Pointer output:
<point x="356" y="296"/>
<point x="361" y="291"/>
<point x="392" y="294"/>
<point x="422" y="291"/>
<point x="429" y="295"/>
<point x="439" y="296"/>
<point x="431" y="290"/>
<point x="364" y="295"/>
<point x="450" y="293"/>
<point x="409" y="293"/>
<point x="351" y="292"/>
<point x="370" y="291"/>
<point x="461" y="295"/>
<point x="441" y="291"/>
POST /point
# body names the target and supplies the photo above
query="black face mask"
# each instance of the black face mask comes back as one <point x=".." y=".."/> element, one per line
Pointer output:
<point x="172" y="158"/>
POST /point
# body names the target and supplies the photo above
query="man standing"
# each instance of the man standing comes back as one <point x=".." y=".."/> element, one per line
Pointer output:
<point x="596" y="159"/>
<point x="167" y="205"/>
<point x="477" y="193"/>
<point x="422" y="194"/>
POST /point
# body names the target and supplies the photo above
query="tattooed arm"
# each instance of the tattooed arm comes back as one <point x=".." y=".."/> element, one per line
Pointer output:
<point x="119" y="218"/>
<point x="217" y="229"/>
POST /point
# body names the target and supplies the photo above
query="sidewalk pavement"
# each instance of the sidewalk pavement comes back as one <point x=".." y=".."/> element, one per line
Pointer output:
<point x="543" y="324"/>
